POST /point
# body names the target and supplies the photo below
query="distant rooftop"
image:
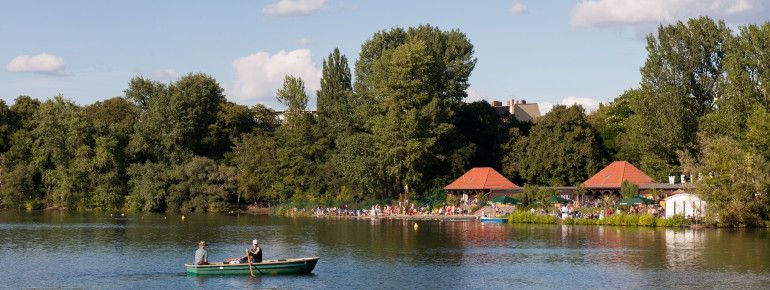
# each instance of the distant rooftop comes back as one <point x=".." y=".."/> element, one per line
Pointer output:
<point x="481" y="178"/>
<point x="520" y="109"/>
<point x="614" y="174"/>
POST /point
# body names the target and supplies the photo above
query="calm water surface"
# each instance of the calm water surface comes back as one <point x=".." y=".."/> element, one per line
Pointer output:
<point x="41" y="250"/>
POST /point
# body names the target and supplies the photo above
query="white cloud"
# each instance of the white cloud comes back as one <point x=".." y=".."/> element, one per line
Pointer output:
<point x="545" y="107"/>
<point x="650" y="13"/>
<point x="259" y="75"/>
<point x="41" y="63"/>
<point x="518" y="8"/>
<point x="590" y="105"/>
<point x="165" y="73"/>
<point x="293" y="7"/>
<point x="475" y="94"/>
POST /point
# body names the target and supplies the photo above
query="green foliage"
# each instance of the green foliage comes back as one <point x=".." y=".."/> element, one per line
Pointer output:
<point x="681" y="79"/>
<point x="562" y="149"/>
<point x="452" y="199"/>
<point x="149" y="184"/>
<point x="335" y="98"/>
<point x="201" y="185"/>
<point x="485" y="130"/>
<point x="628" y="189"/>
<point x="526" y="217"/>
<point x="409" y="86"/>
<point x="645" y="220"/>
<point x="255" y="156"/>
<point x="737" y="188"/>
<point x="232" y="121"/>
<point x="611" y="122"/>
<point x="17" y="187"/>
<point x="401" y="131"/>
<point x="177" y="119"/>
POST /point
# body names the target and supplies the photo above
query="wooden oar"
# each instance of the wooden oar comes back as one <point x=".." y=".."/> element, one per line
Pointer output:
<point x="249" y="259"/>
<point x="250" y="266"/>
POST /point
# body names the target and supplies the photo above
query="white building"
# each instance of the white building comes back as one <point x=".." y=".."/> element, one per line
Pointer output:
<point x="683" y="203"/>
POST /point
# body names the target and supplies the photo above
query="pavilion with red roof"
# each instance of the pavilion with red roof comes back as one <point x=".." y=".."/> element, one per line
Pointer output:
<point x="482" y="180"/>
<point x="611" y="177"/>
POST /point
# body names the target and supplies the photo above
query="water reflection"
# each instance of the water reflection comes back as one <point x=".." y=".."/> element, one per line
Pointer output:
<point x="148" y="250"/>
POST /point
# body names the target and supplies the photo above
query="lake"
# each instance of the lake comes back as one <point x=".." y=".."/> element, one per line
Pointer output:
<point x="95" y="250"/>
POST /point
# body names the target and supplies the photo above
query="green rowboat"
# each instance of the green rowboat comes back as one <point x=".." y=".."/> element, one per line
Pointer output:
<point x="267" y="267"/>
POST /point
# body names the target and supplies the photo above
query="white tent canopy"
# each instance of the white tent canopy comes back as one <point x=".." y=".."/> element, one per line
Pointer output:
<point x="683" y="203"/>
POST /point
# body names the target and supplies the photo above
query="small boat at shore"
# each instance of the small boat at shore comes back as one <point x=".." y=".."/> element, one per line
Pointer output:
<point x="493" y="220"/>
<point x="267" y="267"/>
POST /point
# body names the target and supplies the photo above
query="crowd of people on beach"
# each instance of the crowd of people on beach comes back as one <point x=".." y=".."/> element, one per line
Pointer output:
<point x="584" y="209"/>
<point x="404" y="208"/>
<point x="571" y="211"/>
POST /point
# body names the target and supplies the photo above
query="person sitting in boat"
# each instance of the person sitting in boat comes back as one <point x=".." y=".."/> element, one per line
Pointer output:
<point x="254" y="253"/>
<point x="201" y="255"/>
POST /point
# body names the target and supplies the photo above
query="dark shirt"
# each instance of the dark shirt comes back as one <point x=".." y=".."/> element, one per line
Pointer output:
<point x="255" y="255"/>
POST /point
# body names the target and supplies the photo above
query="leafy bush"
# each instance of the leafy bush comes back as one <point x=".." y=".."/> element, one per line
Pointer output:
<point x="628" y="189"/>
<point x="531" y="218"/>
<point x="452" y="199"/>
<point x="645" y="220"/>
<point x="674" y="221"/>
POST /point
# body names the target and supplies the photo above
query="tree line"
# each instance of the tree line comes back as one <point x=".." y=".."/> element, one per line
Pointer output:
<point x="398" y="128"/>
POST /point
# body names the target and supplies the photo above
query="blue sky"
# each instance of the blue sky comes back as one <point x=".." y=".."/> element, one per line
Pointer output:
<point x="544" y="51"/>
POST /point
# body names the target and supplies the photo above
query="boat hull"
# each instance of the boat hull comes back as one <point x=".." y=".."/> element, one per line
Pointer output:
<point x="492" y="220"/>
<point x="269" y="267"/>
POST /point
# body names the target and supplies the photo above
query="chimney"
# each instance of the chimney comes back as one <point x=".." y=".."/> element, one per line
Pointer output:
<point x="496" y="104"/>
<point x="523" y="102"/>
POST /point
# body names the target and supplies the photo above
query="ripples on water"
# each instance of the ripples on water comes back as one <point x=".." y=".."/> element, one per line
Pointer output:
<point x="39" y="250"/>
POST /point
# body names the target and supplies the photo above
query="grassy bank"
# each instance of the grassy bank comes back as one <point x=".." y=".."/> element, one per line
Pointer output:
<point x="645" y="220"/>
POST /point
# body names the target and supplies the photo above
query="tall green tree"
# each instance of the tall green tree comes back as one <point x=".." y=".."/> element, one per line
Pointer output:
<point x="562" y="149"/>
<point x="176" y="121"/>
<point x="680" y="83"/>
<point x="256" y="158"/>
<point x="61" y="137"/>
<point x="232" y="121"/>
<point x="299" y="155"/>
<point x="335" y="104"/>
<point x="735" y="185"/>
<point x="485" y="129"/>
<point x="141" y="91"/>
<point x="112" y="122"/>
<point x="409" y="85"/>
<point x="746" y="90"/>
<point x="611" y="121"/>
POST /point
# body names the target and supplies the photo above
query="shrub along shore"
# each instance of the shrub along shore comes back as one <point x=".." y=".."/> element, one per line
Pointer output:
<point x="643" y="220"/>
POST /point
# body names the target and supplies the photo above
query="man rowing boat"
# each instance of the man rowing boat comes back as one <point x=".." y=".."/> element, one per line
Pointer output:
<point x="254" y="253"/>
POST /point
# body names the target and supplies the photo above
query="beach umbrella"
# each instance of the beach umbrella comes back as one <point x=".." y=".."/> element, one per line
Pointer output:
<point x="636" y="200"/>
<point x="505" y="200"/>
<point x="558" y="199"/>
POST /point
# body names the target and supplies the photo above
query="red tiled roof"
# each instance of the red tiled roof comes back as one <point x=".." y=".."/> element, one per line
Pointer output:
<point x="613" y="175"/>
<point x="481" y="178"/>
